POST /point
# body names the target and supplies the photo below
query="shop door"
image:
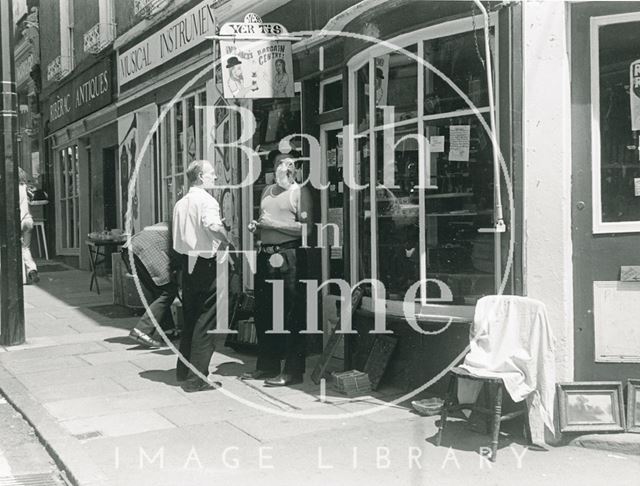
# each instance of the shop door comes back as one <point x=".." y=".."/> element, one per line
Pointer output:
<point x="605" y="193"/>
<point x="330" y="238"/>
<point x="109" y="188"/>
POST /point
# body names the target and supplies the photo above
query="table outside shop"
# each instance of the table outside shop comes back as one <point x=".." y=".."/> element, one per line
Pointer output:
<point x="97" y="256"/>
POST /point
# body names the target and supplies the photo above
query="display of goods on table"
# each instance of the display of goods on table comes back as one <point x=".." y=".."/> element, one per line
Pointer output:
<point x="114" y="235"/>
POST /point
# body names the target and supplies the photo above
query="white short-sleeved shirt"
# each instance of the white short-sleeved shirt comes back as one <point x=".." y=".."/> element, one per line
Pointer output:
<point x="194" y="217"/>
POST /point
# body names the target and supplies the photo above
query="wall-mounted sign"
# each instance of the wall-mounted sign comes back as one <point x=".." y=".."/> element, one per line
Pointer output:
<point x="634" y="94"/>
<point x="88" y="92"/>
<point x="23" y="69"/>
<point x="254" y="65"/>
<point x="178" y="36"/>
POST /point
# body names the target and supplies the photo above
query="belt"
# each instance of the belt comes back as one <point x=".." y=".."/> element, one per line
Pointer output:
<point x="271" y="249"/>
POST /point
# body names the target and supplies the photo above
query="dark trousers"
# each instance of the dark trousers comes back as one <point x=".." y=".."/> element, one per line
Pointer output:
<point x="199" y="311"/>
<point x="272" y="348"/>
<point x="162" y="295"/>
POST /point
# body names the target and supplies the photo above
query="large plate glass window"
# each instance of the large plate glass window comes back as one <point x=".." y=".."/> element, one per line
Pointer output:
<point x="430" y="231"/>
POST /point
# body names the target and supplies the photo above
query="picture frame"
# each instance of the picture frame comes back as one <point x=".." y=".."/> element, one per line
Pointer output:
<point x="591" y="406"/>
<point x="633" y="405"/>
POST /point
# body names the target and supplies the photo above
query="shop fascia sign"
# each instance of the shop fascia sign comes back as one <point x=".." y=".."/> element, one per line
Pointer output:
<point x="256" y="59"/>
<point x="180" y="35"/>
<point x="85" y="94"/>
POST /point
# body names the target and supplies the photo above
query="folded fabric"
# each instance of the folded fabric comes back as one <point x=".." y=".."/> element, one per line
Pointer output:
<point x="511" y="339"/>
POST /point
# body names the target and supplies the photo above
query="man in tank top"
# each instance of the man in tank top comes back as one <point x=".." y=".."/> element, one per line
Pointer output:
<point x="285" y="214"/>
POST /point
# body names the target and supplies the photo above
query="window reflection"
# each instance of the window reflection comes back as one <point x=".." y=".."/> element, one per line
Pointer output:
<point x="461" y="59"/>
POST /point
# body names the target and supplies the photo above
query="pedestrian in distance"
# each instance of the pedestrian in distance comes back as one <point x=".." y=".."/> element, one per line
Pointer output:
<point x="26" y="226"/>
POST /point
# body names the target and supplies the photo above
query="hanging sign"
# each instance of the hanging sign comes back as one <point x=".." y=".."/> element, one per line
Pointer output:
<point x="634" y="94"/>
<point x="253" y="64"/>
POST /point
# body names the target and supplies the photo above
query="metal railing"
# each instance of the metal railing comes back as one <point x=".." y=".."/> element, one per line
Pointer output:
<point x="59" y="68"/>
<point x="148" y="8"/>
<point x="99" y="36"/>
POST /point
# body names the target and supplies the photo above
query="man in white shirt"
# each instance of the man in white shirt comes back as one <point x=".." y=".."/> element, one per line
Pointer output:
<point x="198" y="232"/>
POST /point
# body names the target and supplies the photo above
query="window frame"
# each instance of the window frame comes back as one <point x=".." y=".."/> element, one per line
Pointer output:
<point x="200" y="124"/>
<point x="599" y="226"/>
<point x="367" y="57"/>
<point x="322" y="85"/>
<point x="63" y="164"/>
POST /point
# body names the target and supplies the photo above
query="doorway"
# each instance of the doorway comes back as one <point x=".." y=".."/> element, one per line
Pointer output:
<point x="605" y="191"/>
<point x="109" y="187"/>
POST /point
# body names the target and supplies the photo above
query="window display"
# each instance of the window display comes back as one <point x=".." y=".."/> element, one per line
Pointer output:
<point x="415" y="234"/>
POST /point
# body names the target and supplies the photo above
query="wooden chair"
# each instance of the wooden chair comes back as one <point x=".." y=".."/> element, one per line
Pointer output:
<point x="496" y="388"/>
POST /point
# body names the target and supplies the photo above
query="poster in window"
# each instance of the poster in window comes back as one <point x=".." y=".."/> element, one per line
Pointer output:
<point x="381" y="73"/>
<point x="634" y="93"/>
<point x="253" y="65"/>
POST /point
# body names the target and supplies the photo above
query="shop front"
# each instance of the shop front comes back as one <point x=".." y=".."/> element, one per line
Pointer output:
<point x="423" y="221"/>
<point x="80" y="139"/>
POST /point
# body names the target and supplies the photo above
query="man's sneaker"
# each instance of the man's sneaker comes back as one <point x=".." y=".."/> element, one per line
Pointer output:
<point x="33" y="277"/>
<point x="144" y="339"/>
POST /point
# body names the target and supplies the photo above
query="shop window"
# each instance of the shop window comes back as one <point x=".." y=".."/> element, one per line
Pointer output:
<point x="411" y="228"/>
<point x="459" y="57"/>
<point x="68" y="207"/>
<point x="395" y="87"/>
<point x="331" y="94"/>
<point x="615" y="139"/>
<point x="182" y="135"/>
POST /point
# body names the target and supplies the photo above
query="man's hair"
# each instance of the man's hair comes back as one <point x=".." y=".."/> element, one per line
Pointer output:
<point x="195" y="170"/>
<point x="274" y="154"/>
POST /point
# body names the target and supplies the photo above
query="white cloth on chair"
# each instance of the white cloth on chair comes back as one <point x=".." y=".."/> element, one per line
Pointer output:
<point x="511" y="339"/>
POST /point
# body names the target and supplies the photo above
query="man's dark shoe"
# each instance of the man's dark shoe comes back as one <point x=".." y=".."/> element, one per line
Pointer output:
<point x="144" y="339"/>
<point x="192" y="386"/>
<point x="33" y="277"/>
<point x="258" y="375"/>
<point x="284" y="379"/>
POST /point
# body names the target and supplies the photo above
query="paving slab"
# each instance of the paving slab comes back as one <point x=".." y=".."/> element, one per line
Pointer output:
<point x="94" y="387"/>
<point x="54" y="351"/>
<point x="117" y="424"/>
<point x="109" y="404"/>
<point x="71" y="375"/>
<point x="36" y="365"/>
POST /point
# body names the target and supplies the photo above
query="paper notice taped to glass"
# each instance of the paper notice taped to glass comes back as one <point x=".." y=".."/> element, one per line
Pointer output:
<point x="459" y="139"/>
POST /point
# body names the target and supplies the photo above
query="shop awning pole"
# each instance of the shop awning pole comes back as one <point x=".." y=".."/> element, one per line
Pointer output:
<point x="499" y="218"/>
<point x="11" y="292"/>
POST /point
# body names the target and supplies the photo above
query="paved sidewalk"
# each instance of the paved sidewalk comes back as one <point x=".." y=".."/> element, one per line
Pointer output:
<point x="111" y="412"/>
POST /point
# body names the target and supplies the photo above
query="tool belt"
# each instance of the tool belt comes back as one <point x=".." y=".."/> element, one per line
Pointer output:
<point x="271" y="249"/>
